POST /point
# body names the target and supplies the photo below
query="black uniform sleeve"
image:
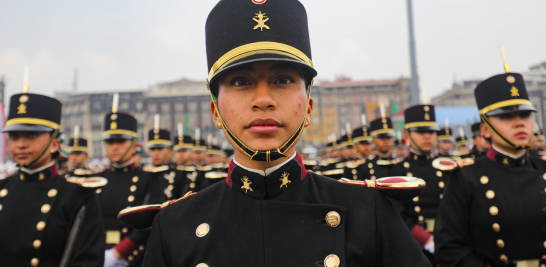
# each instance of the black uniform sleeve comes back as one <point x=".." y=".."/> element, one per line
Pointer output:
<point x="88" y="249"/>
<point x="451" y="230"/>
<point x="155" y="255"/>
<point x="395" y="244"/>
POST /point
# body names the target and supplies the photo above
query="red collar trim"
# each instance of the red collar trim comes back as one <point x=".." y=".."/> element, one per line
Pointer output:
<point x="492" y="153"/>
<point x="298" y="158"/>
<point x="53" y="169"/>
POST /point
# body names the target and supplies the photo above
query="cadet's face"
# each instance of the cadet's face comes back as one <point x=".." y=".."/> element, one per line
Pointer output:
<point x="25" y="147"/>
<point x="364" y="149"/>
<point x="481" y="142"/>
<point x="383" y="144"/>
<point x="401" y="152"/>
<point x="182" y="156"/>
<point x="517" y="127"/>
<point x="77" y="159"/>
<point x="463" y="150"/>
<point x="198" y="155"/>
<point x="425" y="140"/>
<point x="263" y="103"/>
<point x="115" y="148"/>
<point x="445" y="146"/>
<point x="159" y="155"/>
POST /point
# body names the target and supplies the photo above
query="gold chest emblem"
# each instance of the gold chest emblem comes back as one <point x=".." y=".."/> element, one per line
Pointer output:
<point x="261" y="19"/>
<point x="284" y="180"/>
<point x="246" y="184"/>
<point x="514" y="91"/>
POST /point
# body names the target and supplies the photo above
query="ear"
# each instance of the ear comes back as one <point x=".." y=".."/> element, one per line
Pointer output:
<point x="485" y="130"/>
<point x="309" y="111"/>
<point x="406" y="134"/>
<point x="215" y="115"/>
<point x="55" y="145"/>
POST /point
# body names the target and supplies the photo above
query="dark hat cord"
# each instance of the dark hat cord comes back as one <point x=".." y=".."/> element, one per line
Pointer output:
<point x="487" y="122"/>
<point x="261" y="155"/>
<point x="44" y="150"/>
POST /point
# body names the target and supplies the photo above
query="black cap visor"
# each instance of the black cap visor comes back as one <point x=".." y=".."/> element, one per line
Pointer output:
<point x="117" y="137"/>
<point x="384" y="135"/>
<point x="424" y="129"/>
<point x="27" y="128"/>
<point x="510" y="109"/>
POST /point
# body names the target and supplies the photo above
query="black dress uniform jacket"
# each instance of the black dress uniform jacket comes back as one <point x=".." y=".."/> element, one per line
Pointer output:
<point x="127" y="187"/>
<point x="37" y="213"/>
<point x="289" y="218"/>
<point x="374" y="168"/>
<point x="493" y="213"/>
<point x="170" y="181"/>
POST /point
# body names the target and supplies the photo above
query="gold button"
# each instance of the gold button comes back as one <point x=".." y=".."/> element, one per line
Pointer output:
<point x="490" y="194"/>
<point x="46" y="208"/>
<point x="503" y="257"/>
<point x="496" y="227"/>
<point x="406" y="164"/>
<point x="202" y="265"/>
<point x="354" y="171"/>
<point x="3" y="192"/>
<point x="133" y="188"/>
<point x="373" y="178"/>
<point x="135" y="179"/>
<point x="439" y="173"/>
<point x="41" y="176"/>
<point x="40" y="226"/>
<point x="544" y="244"/>
<point x="135" y="252"/>
<point x="500" y="243"/>
<point x="415" y="199"/>
<point x="0" y="206"/>
<point x="192" y="185"/>
<point x="141" y="248"/>
<point x="415" y="157"/>
<point x="441" y="196"/>
<point x="170" y="187"/>
<point x="441" y="184"/>
<point x="409" y="174"/>
<point x="98" y="191"/>
<point x="34" y="262"/>
<point x="370" y="165"/>
<point x="493" y="210"/>
<point x="52" y="192"/>
<point x="333" y="219"/>
<point x="421" y="218"/>
<point x="331" y="260"/>
<point x="36" y="244"/>
<point x="372" y="171"/>
<point x="417" y="209"/>
<point x="124" y="230"/>
<point x="125" y="169"/>
<point x="202" y="230"/>
<point x="171" y="181"/>
<point x="484" y="180"/>
<point x="131" y="198"/>
<point x="22" y="177"/>
<point x="130" y="258"/>
<point x="544" y="176"/>
<point x="355" y="177"/>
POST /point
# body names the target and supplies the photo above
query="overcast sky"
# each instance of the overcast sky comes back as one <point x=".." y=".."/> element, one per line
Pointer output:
<point x="130" y="44"/>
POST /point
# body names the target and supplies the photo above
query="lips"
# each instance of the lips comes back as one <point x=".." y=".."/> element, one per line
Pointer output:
<point x="521" y="135"/>
<point x="264" y="125"/>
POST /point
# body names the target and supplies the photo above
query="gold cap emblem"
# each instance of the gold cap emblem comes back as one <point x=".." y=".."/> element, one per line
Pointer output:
<point x="514" y="91"/>
<point x="261" y="19"/>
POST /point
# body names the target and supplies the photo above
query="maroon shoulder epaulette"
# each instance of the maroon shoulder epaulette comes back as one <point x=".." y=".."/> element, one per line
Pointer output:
<point x="142" y="217"/>
<point x="399" y="187"/>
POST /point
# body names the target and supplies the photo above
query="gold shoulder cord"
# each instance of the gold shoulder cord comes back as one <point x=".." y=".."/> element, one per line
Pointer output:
<point x="259" y="155"/>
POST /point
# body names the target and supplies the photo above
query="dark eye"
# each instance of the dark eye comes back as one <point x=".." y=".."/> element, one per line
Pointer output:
<point x="13" y="136"/>
<point x="239" y="82"/>
<point x="506" y="116"/>
<point x="525" y="115"/>
<point x="32" y="135"/>
<point x="284" y="81"/>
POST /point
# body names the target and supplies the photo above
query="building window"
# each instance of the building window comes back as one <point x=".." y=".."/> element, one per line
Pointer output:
<point x="152" y="107"/>
<point x="166" y="107"/>
<point x="139" y="105"/>
<point x="192" y="107"/>
<point x="178" y="107"/>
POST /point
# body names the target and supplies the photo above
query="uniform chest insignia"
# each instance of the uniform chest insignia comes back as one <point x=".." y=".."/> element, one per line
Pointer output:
<point x="261" y="19"/>
<point x="444" y="164"/>
<point x="514" y="91"/>
<point x="505" y="161"/>
<point x="246" y="184"/>
<point x="284" y="180"/>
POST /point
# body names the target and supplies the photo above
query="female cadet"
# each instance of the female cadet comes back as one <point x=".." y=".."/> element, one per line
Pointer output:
<point x="270" y="211"/>
<point x="493" y="212"/>
<point x="44" y="219"/>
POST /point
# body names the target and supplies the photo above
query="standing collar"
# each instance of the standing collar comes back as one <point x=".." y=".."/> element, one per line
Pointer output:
<point x="255" y="184"/>
<point x="507" y="159"/>
<point x="414" y="155"/>
<point x="38" y="174"/>
<point x="268" y="170"/>
<point x="31" y="172"/>
<point x="125" y="167"/>
<point x="387" y="156"/>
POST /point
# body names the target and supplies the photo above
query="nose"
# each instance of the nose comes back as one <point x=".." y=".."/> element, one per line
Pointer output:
<point x="263" y="99"/>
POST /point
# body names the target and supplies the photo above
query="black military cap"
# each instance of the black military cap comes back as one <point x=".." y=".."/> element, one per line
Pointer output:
<point x="475" y="128"/>
<point x="461" y="141"/>
<point x="361" y="135"/>
<point x="119" y="126"/>
<point x="420" y="118"/>
<point x="381" y="127"/>
<point x="399" y="144"/>
<point x="538" y="134"/>
<point x="214" y="150"/>
<point x="77" y="145"/>
<point x="503" y="93"/>
<point x="445" y="134"/>
<point x="159" y="138"/>
<point x="345" y="141"/>
<point x="183" y="143"/>
<point x="246" y="31"/>
<point x="199" y="145"/>
<point x="33" y="113"/>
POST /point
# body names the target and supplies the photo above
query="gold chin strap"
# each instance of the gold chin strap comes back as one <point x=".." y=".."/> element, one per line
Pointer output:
<point x="487" y="122"/>
<point x="262" y="155"/>
<point x="53" y="136"/>
<point x="133" y="143"/>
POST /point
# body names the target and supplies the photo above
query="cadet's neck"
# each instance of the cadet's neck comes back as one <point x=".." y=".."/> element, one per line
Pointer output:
<point x="243" y="160"/>
<point x="510" y="152"/>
